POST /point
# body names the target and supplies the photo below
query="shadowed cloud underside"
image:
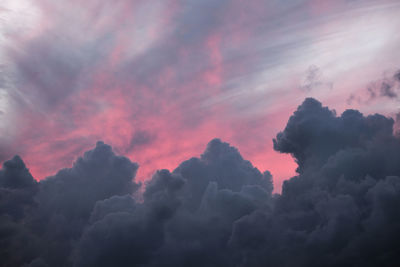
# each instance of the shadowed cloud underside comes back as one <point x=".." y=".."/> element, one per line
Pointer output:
<point x="341" y="209"/>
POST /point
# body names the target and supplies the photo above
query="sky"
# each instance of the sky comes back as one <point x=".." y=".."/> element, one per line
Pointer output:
<point x="157" y="80"/>
<point x="199" y="133"/>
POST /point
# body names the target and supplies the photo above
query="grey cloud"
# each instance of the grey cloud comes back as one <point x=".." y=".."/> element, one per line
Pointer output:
<point x="314" y="133"/>
<point x="223" y="164"/>
<point x="386" y="87"/>
<point x="139" y="139"/>
<point x="218" y="210"/>
<point x="17" y="191"/>
<point x="136" y="227"/>
<point x="51" y="215"/>
<point x="387" y="90"/>
<point x="15" y="175"/>
<point x="113" y="204"/>
<point x="397" y="76"/>
<point x="37" y="263"/>
<point x="331" y="197"/>
<point x="119" y="239"/>
<point x="314" y="79"/>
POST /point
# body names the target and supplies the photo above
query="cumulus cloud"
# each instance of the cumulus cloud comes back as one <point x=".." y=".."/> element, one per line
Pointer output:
<point x="42" y="219"/>
<point x="217" y="209"/>
<point x="314" y="133"/>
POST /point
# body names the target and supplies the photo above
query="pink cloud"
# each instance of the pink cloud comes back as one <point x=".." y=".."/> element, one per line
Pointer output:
<point x="181" y="74"/>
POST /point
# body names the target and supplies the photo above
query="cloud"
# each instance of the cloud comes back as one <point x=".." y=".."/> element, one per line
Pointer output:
<point x="386" y="87"/>
<point x="140" y="139"/>
<point x="397" y="76"/>
<point x="15" y="175"/>
<point x="314" y="80"/>
<point x="342" y="162"/>
<point x="314" y="133"/>
<point x="139" y="229"/>
<point x="17" y="191"/>
<point x="51" y="214"/>
<point x="217" y="209"/>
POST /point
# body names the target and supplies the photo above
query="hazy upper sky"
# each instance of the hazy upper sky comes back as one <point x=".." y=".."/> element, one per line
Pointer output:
<point x="158" y="79"/>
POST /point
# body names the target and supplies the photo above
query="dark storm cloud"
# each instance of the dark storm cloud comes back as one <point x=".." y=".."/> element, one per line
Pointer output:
<point x="17" y="191"/>
<point x="15" y="175"/>
<point x="314" y="133"/>
<point x="41" y="220"/>
<point x="343" y="163"/>
<point x="217" y="210"/>
<point x="131" y="226"/>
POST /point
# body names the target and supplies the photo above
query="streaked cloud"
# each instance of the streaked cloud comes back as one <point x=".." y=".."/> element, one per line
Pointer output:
<point x="184" y="71"/>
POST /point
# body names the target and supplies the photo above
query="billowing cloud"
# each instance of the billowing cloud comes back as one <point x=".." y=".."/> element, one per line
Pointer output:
<point x="217" y="209"/>
<point x="314" y="133"/>
<point x="48" y="216"/>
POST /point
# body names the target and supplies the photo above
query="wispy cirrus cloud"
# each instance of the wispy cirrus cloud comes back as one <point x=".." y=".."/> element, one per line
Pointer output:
<point x="183" y="71"/>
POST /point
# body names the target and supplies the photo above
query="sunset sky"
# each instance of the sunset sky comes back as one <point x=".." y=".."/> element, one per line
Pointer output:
<point x="200" y="133"/>
<point x="157" y="80"/>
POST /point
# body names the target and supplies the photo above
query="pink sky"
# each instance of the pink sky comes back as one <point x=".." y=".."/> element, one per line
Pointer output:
<point x="157" y="80"/>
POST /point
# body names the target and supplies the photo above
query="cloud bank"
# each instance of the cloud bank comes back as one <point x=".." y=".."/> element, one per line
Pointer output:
<point x="341" y="209"/>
